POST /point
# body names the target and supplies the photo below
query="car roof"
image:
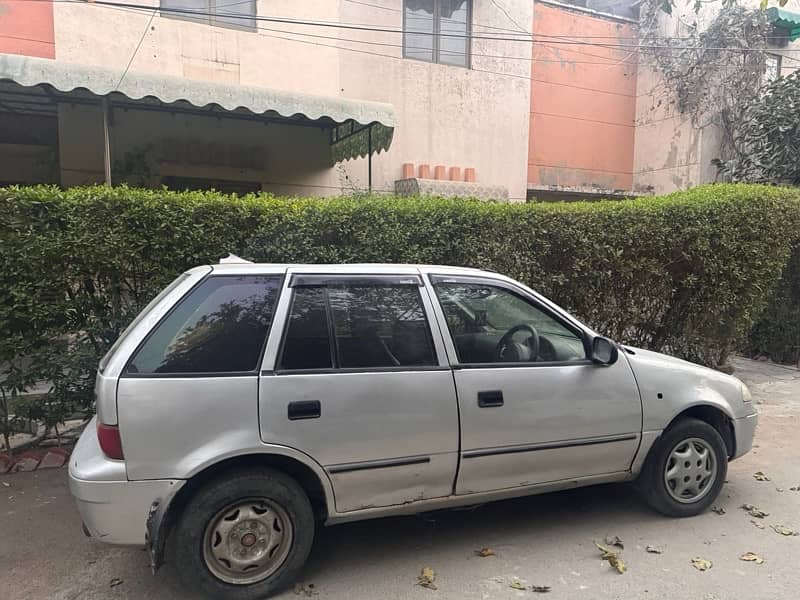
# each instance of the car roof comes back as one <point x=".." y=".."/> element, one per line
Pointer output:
<point x="360" y="268"/>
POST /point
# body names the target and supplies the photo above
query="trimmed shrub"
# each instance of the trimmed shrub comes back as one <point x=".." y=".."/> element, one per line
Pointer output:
<point x="686" y="273"/>
<point x="776" y="333"/>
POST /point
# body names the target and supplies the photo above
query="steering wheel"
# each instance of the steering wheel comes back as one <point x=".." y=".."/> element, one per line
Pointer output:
<point x="508" y="350"/>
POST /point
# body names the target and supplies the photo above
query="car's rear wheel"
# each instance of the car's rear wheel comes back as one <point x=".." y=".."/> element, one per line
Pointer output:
<point x="244" y="536"/>
<point x="685" y="471"/>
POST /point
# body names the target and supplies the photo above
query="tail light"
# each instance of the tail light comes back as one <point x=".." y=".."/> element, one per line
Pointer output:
<point x="110" y="441"/>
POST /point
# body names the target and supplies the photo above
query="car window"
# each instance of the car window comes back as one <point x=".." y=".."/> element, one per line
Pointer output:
<point x="380" y="326"/>
<point x="306" y="342"/>
<point x="159" y="297"/>
<point x="479" y="316"/>
<point x="219" y="327"/>
<point x="374" y="325"/>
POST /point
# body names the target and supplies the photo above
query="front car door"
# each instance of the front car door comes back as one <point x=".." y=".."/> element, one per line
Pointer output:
<point x="360" y="382"/>
<point x="534" y="409"/>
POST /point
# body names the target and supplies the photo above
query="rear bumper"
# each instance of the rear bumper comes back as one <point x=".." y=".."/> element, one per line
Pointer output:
<point x="744" y="431"/>
<point x="113" y="509"/>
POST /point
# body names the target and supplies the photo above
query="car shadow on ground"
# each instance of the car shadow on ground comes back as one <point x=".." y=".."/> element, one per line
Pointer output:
<point x="593" y="511"/>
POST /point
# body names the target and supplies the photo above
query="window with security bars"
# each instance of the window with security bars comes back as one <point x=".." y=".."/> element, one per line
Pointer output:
<point x="228" y="13"/>
<point x="438" y="31"/>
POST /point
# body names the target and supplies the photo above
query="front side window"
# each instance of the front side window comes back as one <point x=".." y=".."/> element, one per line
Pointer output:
<point x="437" y="31"/>
<point x="238" y="13"/>
<point x="357" y="326"/>
<point x="219" y="327"/>
<point x="491" y="324"/>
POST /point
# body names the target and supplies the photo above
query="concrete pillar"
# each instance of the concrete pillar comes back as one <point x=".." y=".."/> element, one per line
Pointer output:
<point x="80" y="144"/>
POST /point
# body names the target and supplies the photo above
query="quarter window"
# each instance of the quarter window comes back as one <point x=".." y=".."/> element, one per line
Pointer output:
<point x="437" y="31"/>
<point x="370" y="326"/>
<point x="237" y="13"/>
<point x="219" y="327"/>
<point x="491" y="324"/>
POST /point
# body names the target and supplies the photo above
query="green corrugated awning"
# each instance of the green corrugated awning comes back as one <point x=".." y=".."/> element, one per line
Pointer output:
<point x="359" y="116"/>
<point x="790" y="21"/>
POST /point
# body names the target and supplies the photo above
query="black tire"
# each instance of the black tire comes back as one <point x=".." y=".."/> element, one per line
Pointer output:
<point x="651" y="482"/>
<point x="185" y="544"/>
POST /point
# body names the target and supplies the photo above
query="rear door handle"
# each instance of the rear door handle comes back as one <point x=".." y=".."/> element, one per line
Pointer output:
<point x="490" y="398"/>
<point x="304" y="409"/>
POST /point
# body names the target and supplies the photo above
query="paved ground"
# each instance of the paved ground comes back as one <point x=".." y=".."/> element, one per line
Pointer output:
<point x="544" y="540"/>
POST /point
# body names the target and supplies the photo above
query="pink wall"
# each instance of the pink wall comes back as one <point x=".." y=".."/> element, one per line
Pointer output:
<point x="583" y="101"/>
<point x="27" y="28"/>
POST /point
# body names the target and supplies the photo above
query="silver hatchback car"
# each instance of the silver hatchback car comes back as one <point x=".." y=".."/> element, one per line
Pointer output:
<point x="249" y="402"/>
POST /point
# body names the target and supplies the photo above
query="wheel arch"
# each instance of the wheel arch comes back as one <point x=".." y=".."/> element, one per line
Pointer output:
<point x="714" y="416"/>
<point x="165" y="512"/>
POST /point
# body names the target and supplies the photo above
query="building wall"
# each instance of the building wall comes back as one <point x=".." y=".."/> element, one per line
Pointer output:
<point x="672" y="153"/>
<point x="27" y="28"/>
<point x="446" y="115"/>
<point x="583" y="102"/>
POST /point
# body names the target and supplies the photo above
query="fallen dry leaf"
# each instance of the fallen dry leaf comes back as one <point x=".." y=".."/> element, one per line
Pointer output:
<point x="115" y="582"/>
<point x="752" y="557"/>
<point x="540" y="589"/>
<point x="426" y="578"/>
<point x="484" y="552"/>
<point x="5" y="484"/>
<point x="517" y="585"/>
<point x="757" y="524"/>
<point x="615" y="541"/>
<point x="701" y="564"/>
<point x="613" y="558"/>
<point x="653" y="550"/>
<point x="778" y="489"/>
<point x="784" y="530"/>
<point x="754" y="511"/>
<point x="718" y="509"/>
<point x="305" y="590"/>
<point x="759" y="476"/>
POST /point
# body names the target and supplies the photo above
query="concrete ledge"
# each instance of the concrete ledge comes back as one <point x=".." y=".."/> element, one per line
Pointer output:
<point x="416" y="186"/>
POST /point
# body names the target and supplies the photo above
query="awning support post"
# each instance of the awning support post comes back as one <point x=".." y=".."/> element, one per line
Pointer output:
<point x="369" y="158"/>
<point x="106" y="142"/>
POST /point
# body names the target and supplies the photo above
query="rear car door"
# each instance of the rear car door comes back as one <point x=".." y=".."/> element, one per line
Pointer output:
<point x="359" y="381"/>
<point x="531" y="416"/>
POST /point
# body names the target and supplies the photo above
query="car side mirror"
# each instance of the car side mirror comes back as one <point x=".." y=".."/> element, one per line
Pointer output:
<point x="604" y="351"/>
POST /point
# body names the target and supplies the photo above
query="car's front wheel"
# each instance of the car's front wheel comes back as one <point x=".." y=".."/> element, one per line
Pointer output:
<point x="685" y="471"/>
<point x="244" y="536"/>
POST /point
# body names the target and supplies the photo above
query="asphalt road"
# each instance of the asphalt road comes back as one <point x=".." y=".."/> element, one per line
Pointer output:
<point x="545" y="540"/>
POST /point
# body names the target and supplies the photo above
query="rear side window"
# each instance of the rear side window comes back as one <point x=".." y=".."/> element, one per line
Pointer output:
<point x="307" y="342"/>
<point x="357" y="326"/>
<point x="219" y="327"/>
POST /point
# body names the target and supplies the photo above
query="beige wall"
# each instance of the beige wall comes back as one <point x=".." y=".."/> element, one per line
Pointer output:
<point x="445" y="115"/>
<point x="670" y="152"/>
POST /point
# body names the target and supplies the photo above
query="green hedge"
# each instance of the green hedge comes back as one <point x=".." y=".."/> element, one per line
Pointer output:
<point x="776" y="333"/>
<point x="686" y="273"/>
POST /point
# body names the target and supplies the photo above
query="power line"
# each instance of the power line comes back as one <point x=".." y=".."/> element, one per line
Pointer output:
<point x="139" y="45"/>
<point x="510" y="18"/>
<point x="326" y="24"/>
<point x="521" y="37"/>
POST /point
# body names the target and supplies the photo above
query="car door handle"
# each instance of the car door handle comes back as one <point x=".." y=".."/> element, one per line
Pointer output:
<point x="489" y="399"/>
<point x="304" y="409"/>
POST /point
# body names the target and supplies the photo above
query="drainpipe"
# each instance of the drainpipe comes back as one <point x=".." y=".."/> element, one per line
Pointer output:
<point x="369" y="158"/>
<point x="106" y="141"/>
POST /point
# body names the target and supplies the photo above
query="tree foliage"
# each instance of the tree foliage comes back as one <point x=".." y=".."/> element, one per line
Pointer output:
<point x="767" y="140"/>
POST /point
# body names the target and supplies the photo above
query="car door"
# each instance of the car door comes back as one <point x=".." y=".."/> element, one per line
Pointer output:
<point x="532" y="410"/>
<point x="360" y="383"/>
